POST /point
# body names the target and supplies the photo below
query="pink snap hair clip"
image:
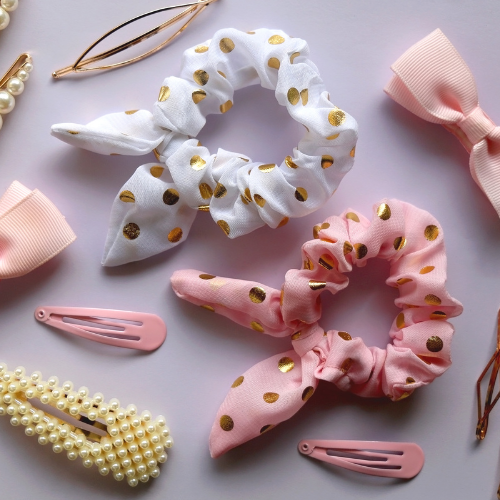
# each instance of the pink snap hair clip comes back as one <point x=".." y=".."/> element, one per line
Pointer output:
<point x="132" y="330"/>
<point x="375" y="458"/>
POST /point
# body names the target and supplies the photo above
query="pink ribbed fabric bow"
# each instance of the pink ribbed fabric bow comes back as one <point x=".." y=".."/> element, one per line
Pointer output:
<point x="276" y="388"/>
<point x="432" y="80"/>
<point x="32" y="231"/>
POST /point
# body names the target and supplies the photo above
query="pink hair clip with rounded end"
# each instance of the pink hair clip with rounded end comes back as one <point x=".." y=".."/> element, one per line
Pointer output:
<point x="132" y="330"/>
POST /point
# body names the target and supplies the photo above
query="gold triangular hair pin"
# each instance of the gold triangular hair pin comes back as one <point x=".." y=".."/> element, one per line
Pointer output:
<point x="83" y="63"/>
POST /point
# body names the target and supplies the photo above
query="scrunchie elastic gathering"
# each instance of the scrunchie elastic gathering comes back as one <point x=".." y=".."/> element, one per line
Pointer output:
<point x="155" y="209"/>
<point x="275" y="389"/>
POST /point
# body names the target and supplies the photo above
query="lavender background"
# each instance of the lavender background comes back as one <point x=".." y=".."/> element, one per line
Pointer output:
<point x="398" y="155"/>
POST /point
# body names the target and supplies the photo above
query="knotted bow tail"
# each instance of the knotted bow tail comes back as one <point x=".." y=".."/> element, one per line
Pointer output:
<point x="32" y="231"/>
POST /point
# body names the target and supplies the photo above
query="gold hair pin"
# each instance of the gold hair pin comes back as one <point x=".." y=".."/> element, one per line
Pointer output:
<point x="81" y="64"/>
<point x="490" y="402"/>
<point x="12" y="83"/>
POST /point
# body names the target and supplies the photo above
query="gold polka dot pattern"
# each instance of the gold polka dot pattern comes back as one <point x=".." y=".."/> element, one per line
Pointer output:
<point x="201" y="77"/>
<point x="271" y="397"/>
<point x="226" y="423"/>
<point x="127" y="197"/>
<point x="238" y="381"/>
<point x="226" y="45"/>
<point x="131" y="231"/>
<point x="434" y="344"/>
<point x="285" y="364"/>
<point x="257" y="294"/>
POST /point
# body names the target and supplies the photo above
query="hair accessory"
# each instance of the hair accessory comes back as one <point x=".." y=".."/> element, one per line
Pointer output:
<point x="132" y="330"/>
<point x="483" y="415"/>
<point x="116" y="439"/>
<point x="12" y="83"/>
<point x="433" y="81"/>
<point x="376" y="458"/>
<point x="155" y="209"/>
<point x="6" y="6"/>
<point x="32" y="231"/>
<point x="275" y="389"/>
<point x="81" y="64"/>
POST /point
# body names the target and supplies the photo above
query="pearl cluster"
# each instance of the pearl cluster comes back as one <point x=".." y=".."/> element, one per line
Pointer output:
<point x="6" y="6"/>
<point x="133" y="448"/>
<point x="15" y="84"/>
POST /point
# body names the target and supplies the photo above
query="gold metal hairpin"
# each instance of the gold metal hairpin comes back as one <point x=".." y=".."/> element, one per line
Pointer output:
<point x="490" y="402"/>
<point x="81" y="64"/>
<point x="12" y="83"/>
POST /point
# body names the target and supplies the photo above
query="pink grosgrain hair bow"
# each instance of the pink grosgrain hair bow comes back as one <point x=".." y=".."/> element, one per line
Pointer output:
<point x="32" y="231"/>
<point x="276" y="388"/>
<point x="432" y="80"/>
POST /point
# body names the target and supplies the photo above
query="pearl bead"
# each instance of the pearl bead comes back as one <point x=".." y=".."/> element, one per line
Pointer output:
<point x="43" y="440"/>
<point x="24" y="75"/>
<point x="72" y="455"/>
<point x="15" y="421"/>
<point x="126" y="464"/>
<point x="151" y="464"/>
<point x="84" y="453"/>
<point x="133" y="482"/>
<point x="88" y="463"/>
<point x="144" y="478"/>
<point x="1" y="122"/>
<point x="141" y="469"/>
<point x="140" y="433"/>
<point x="130" y="472"/>
<point x="9" y="5"/>
<point x="67" y="386"/>
<point x="169" y="442"/>
<point x="148" y="454"/>
<point x="158" y="449"/>
<point x="122" y="452"/>
<point x="19" y="371"/>
<point x="104" y="471"/>
<point x="133" y="448"/>
<point x="119" y="476"/>
<point x="100" y="462"/>
<point x="162" y="458"/>
<point x="4" y="19"/>
<point x="57" y="448"/>
<point x="115" y="467"/>
<point x="7" y="103"/>
<point x="137" y="458"/>
<point x="29" y="431"/>
<point x="155" y="472"/>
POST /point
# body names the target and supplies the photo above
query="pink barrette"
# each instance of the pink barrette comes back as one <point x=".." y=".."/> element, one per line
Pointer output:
<point x="432" y="80"/>
<point x="275" y="389"/>
<point x="32" y="231"/>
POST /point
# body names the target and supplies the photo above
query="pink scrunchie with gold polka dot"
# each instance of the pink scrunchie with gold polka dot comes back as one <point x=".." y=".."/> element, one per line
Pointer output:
<point x="275" y="389"/>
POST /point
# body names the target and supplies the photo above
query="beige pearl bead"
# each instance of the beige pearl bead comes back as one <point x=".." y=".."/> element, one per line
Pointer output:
<point x="9" y="5"/>
<point x="4" y="19"/>
<point x="7" y="102"/>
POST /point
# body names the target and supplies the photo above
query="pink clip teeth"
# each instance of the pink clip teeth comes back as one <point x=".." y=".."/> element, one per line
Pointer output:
<point x="376" y="458"/>
<point x="131" y="330"/>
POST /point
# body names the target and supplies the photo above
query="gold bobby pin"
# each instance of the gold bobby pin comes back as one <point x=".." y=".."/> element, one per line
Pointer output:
<point x="81" y="64"/>
<point x="12" y="83"/>
<point x="482" y="422"/>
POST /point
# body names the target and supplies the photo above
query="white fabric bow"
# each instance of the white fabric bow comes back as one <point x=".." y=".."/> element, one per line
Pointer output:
<point x="155" y="208"/>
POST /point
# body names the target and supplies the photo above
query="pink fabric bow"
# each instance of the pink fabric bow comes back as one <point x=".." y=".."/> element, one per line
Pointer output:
<point x="275" y="389"/>
<point x="432" y="80"/>
<point x="32" y="231"/>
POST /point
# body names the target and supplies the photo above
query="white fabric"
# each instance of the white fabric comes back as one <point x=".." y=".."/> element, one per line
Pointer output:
<point x="245" y="197"/>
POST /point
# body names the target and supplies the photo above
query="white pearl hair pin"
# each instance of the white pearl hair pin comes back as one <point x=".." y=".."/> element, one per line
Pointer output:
<point x="117" y="440"/>
<point x="6" y="6"/>
<point x="12" y="83"/>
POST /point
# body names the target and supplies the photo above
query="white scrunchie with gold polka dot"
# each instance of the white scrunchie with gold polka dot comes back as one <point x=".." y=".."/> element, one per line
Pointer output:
<point x="156" y="207"/>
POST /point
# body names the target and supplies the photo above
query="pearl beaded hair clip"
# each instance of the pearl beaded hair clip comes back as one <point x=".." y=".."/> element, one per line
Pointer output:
<point x="12" y="83"/>
<point x="6" y="6"/>
<point x="115" y="439"/>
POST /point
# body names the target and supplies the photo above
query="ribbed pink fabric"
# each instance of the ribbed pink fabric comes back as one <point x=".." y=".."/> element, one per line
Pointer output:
<point x="433" y="81"/>
<point x="32" y="231"/>
<point x="275" y="389"/>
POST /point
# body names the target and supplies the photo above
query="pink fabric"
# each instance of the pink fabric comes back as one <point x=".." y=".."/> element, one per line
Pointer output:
<point x="32" y="231"/>
<point x="433" y="81"/>
<point x="275" y="389"/>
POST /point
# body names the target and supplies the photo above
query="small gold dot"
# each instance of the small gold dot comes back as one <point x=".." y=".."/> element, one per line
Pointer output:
<point x="220" y="191"/>
<point x="289" y="162"/>
<point x="432" y="300"/>
<point x="400" y="321"/>
<point x="304" y="95"/>
<point x="326" y="161"/>
<point x="201" y="77"/>
<point x="402" y="281"/>
<point x="198" y="95"/>
<point x="226" y="45"/>
<point x="72" y="132"/>
<point x="434" y="344"/>
<point x="331" y="137"/>
<point x="271" y="397"/>
<point x="224" y="108"/>
<point x="157" y="156"/>
<point x="336" y="117"/>
<point x="208" y="308"/>
<point x="205" y="191"/>
<point x="267" y="168"/>
<point x="316" y="285"/>
<point x="204" y="208"/>
<point x="347" y="248"/>
<point x="170" y="196"/>
<point x="259" y="200"/>
<point x="344" y="335"/>
<point x="384" y="211"/>
<point x="285" y="364"/>
<point x="293" y="96"/>
<point x="175" y="235"/>
<point x="403" y="396"/>
<point x="207" y="276"/>
<point x="274" y="62"/>
<point x="438" y="315"/>
<point x="238" y="381"/>
<point x="283" y="222"/>
<point x="200" y="49"/>
<point x="410" y="380"/>
<point x="226" y="423"/>
<point x="257" y="327"/>
<point x="426" y="269"/>
<point x="352" y="216"/>
<point x="164" y="94"/>
<point x="361" y="250"/>
<point x="266" y="428"/>
<point x="282" y="296"/>
<point x="197" y="163"/>
<point x="131" y="231"/>
<point x="301" y="194"/>
<point x="243" y="199"/>
<point x="353" y="152"/>
<point x="276" y="40"/>
<point x="248" y="195"/>
<point x="222" y="74"/>
<point x="308" y="264"/>
<point x="224" y="226"/>
<point x="131" y="112"/>
<point x="257" y="294"/>
<point x="431" y="232"/>
<point x="296" y="335"/>
<point x="346" y="365"/>
<point x="399" y="243"/>
<point x="293" y="56"/>
<point x="327" y="261"/>
<point x="307" y="393"/>
<point x="127" y="197"/>
<point x="316" y="230"/>
<point x="156" y="171"/>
